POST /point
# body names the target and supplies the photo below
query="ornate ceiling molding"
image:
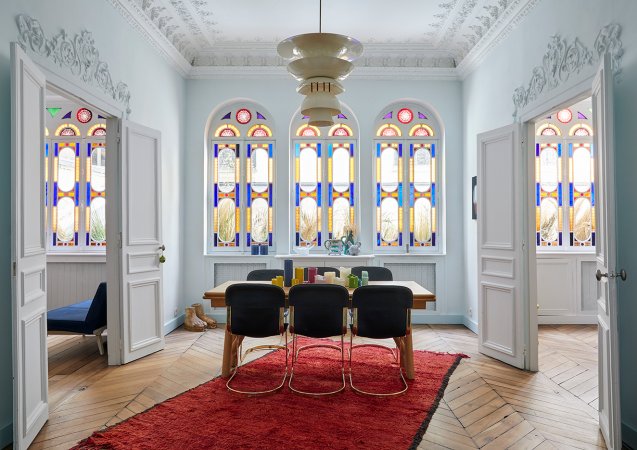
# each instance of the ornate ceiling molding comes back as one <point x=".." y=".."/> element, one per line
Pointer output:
<point x="78" y="54"/>
<point x="564" y="59"/>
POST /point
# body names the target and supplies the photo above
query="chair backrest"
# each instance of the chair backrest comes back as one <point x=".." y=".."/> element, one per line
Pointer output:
<point x="255" y="310"/>
<point x="381" y="312"/>
<point x="375" y="273"/>
<point x="318" y="310"/>
<point x="96" y="315"/>
<point x="322" y="270"/>
<point x="264" y="274"/>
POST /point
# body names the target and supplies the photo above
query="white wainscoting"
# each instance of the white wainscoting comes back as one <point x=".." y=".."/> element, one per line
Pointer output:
<point x="72" y="279"/>
<point x="567" y="289"/>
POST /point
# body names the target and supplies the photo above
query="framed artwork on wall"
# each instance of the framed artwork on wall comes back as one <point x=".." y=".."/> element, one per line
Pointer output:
<point x="474" y="198"/>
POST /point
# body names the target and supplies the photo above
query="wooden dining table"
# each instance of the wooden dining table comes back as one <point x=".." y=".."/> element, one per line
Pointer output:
<point x="422" y="296"/>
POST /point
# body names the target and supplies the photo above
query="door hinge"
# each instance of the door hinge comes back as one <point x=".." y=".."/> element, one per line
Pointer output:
<point x="119" y="239"/>
<point x="14" y="269"/>
<point x="524" y="351"/>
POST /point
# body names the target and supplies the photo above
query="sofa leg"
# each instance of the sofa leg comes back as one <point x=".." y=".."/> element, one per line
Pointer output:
<point x="100" y="343"/>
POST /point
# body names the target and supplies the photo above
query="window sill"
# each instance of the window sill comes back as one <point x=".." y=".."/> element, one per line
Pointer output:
<point x="76" y="258"/>
<point x="326" y="256"/>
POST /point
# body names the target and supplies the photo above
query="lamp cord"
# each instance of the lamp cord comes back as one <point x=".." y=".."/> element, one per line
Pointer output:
<point x="320" y="15"/>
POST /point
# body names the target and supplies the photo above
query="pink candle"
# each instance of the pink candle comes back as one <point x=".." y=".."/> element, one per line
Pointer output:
<point x="311" y="274"/>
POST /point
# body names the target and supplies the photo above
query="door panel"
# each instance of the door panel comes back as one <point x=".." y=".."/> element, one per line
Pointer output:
<point x="500" y="249"/>
<point x="606" y="255"/>
<point x="30" y="364"/>
<point x="142" y="296"/>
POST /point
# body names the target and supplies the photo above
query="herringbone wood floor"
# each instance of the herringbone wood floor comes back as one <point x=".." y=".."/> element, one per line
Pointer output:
<point x="486" y="405"/>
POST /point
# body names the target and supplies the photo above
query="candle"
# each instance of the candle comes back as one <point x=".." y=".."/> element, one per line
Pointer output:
<point x="279" y="281"/>
<point x="295" y="281"/>
<point x="311" y="274"/>
<point x="288" y="265"/>
<point x="353" y="281"/>
<point x="275" y="281"/>
<point x="319" y="279"/>
<point x="330" y="277"/>
<point x="364" y="274"/>
<point x="254" y="249"/>
<point x="298" y="274"/>
<point x="345" y="271"/>
<point x="263" y="249"/>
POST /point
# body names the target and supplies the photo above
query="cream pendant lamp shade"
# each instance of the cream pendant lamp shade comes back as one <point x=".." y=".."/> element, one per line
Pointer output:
<point x="319" y="61"/>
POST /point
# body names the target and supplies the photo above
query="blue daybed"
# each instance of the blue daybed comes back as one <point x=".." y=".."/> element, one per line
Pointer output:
<point x="87" y="317"/>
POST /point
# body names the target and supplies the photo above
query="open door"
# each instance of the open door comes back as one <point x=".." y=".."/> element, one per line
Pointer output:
<point x="142" y="303"/>
<point x="501" y="200"/>
<point x="605" y="249"/>
<point x="28" y="249"/>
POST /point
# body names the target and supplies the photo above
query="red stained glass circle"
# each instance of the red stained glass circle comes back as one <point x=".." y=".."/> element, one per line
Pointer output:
<point x="341" y="132"/>
<point x="84" y="115"/>
<point x="405" y="115"/>
<point x="68" y="131"/>
<point x="227" y="132"/>
<point x="565" y="116"/>
<point x="99" y="132"/>
<point x="389" y="132"/>
<point x="308" y="132"/>
<point x="421" y="132"/>
<point x="244" y="116"/>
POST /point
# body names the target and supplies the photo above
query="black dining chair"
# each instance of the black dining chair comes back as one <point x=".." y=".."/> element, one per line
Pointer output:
<point x="321" y="271"/>
<point x="318" y="311"/>
<point x="375" y="273"/>
<point x="381" y="312"/>
<point x="255" y="310"/>
<point x="264" y="274"/>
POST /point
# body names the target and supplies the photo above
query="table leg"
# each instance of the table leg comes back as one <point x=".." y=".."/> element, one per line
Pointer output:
<point x="408" y="351"/>
<point x="226" y="363"/>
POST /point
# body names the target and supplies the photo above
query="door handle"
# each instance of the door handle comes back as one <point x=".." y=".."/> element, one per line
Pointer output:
<point x="162" y="258"/>
<point x="621" y="274"/>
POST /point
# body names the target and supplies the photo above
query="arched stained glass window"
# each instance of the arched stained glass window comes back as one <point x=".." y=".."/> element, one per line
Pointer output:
<point x="407" y="164"/>
<point x="241" y="154"/>
<point x="565" y="189"/>
<point x="75" y="179"/>
<point x="324" y="180"/>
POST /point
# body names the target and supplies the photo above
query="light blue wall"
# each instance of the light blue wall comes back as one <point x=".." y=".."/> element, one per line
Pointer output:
<point x="366" y="99"/>
<point x="487" y="105"/>
<point x="157" y="101"/>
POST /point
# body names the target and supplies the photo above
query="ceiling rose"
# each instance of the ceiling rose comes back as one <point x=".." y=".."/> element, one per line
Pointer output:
<point x="319" y="61"/>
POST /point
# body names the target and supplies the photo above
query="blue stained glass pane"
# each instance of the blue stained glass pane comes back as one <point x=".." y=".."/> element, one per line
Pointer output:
<point x="297" y="239"/>
<point x="433" y="194"/>
<point x="248" y="238"/>
<point x="400" y="150"/>
<point x="270" y="150"/>
<point x="99" y="116"/>
<point x="330" y="147"/>
<point x="216" y="150"/>
<point x="411" y="150"/>
<point x="537" y="150"/>
<point x="238" y="195"/>
<point x="249" y="149"/>
<point x="592" y="194"/>
<point x="580" y="115"/>
<point x="560" y="238"/>
<point x="236" y="238"/>
<point x="67" y="115"/>
<point x="56" y="149"/>
<point x="537" y="239"/>
<point x="559" y="194"/>
<point x="421" y="115"/>
<point x="378" y="150"/>
<point x="433" y="150"/>
<point x="400" y="196"/>
<point x="297" y="150"/>
<point x="88" y="193"/>
<point x="570" y="194"/>
<point x="389" y="115"/>
<point x="400" y="239"/>
<point x="77" y="149"/>
<point x="433" y="239"/>
<point x="76" y="238"/>
<point x="305" y="117"/>
<point x="342" y="116"/>
<point x="260" y="116"/>
<point x="319" y="238"/>
<point x="215" y="194"/>
<point x="249" y="197"/>
<point x="329" y="197"/>
<point x="411" y="195"/>
<point x="55" y="189"/>
<point x="351" y="200"/>
<point x="87" y="238"/>
<point x="297" y="195"/>
<point x="593" y="238"/>
<point x="88" y="150"/>
<point x="227" y="116"/>
<point x="570" y="150"/>
<point x="351" y="189"/>
<point x="378" y="194"/>
<point x="77" y="192"/>
<point x="351" y="150"/>
<point x="378" y="239"/>
<point x="537" y="194"/>
<point x="318" y="150"/>
<point x="318" y="195"/>
<point x="559" y="150"/>
<point x="46" y="149"/>
<point x="270" y="239"/>
<point x="411" y="239"/>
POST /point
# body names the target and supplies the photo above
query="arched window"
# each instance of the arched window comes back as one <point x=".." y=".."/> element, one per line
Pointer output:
<point x="564" y="194"/>
<point x="324" y="167"/>
<point x="240" y="171"/>
<point x="75" y="179"/>
<point x="407" y="168"/>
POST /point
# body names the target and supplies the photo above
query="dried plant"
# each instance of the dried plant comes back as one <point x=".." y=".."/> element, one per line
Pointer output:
<point x="422" y="228"/>
<point x="308" y="226"/>
<point x="389" y="227"/>
<point x="548" y="228"/>
<point x="583" y="225"/>
<point x="98" y="228"/>
<point x="226" y="220"/>
<point x="259" y="225"/>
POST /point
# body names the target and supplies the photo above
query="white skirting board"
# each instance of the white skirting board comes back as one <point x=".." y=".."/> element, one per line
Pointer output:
<point x="567" y="320"/>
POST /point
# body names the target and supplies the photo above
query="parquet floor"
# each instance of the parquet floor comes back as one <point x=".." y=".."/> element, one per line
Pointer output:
<point x="486" y="405"/>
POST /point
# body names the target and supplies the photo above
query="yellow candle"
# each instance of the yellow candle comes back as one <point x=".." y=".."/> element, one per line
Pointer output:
<point x="279" y="280"/>
<point x="295" y="281"/>
<point x="298" y="274"/>
<point x="275" y="281"/>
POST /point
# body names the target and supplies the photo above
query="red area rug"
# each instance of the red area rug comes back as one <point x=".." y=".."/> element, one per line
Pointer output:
<point x="210" y="417"/>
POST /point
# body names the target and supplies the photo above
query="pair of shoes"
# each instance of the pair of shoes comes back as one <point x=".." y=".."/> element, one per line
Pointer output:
<point x="192" y="322"/>
<point x="209" y="321"/>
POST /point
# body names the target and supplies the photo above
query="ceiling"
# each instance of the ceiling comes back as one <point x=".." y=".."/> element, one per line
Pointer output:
<point x="442" y="34"/>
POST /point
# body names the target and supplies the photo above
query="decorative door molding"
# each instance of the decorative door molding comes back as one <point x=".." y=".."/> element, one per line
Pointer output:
<point x="78" y="54"/>
<point x="563" y="59"/>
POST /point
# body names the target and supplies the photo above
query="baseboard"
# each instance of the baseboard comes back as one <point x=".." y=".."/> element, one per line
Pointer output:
<point x="567" y="320"/>
<point x="6" y="435"/>
<point x="629" y="436"/>
<point x="173" y="323"/>
<point x="470" y="323"/>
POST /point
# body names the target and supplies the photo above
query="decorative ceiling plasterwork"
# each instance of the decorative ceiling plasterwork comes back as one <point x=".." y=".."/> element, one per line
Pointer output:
<point x="77" y="54"/>
<point x="564" y="59"/>
<point x="195" y="36"/>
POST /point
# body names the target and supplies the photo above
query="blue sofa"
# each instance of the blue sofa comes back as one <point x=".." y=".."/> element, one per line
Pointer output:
<point x="87" y="317"/>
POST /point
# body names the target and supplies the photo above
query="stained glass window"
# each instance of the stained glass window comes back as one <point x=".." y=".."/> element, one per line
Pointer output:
<point x="240" y="177"/>
<point x="564" y="184"/>
<point x="75" y="181"/>
<point x="324" y="181"/>
<point x="406" y="174"/>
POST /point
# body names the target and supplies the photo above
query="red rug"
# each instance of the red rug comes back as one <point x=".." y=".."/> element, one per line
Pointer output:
<point x="210" y="417"/>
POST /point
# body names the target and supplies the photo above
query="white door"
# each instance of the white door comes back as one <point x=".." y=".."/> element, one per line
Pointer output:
<point x="142" y="302"/>
<point x="609" y="414"/>
<point x="501" y="198"/>
<point x="28" y="249"/>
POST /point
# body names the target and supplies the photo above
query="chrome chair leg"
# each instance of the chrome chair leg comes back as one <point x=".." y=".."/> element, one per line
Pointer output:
<point x="396" y="356"/>
<point x="295" y="354"/>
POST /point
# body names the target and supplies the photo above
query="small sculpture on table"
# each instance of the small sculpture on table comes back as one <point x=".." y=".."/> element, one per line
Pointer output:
<point x="350" y="245"/>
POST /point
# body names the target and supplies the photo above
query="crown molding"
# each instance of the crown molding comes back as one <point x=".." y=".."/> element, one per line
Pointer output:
<point x="515" y="13"/>
<point x="361" y="73"/>
<point x="145" y="26"/>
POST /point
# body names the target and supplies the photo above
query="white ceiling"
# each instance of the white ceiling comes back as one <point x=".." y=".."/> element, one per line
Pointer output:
<point x="409" y="33"/>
